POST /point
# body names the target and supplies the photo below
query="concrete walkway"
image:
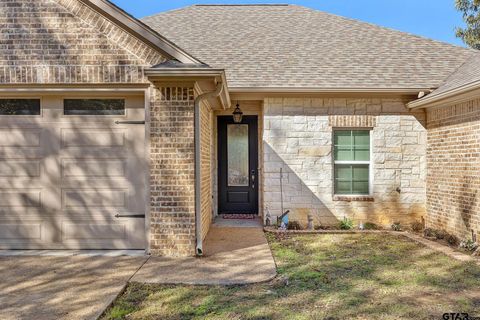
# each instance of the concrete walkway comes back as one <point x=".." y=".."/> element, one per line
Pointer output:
<point x="68" y="287"/>
<point x="234" y="255"/>
<point x="74" y="285"/>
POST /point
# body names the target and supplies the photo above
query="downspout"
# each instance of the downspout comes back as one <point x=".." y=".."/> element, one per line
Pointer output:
<point x="198" y="193"/>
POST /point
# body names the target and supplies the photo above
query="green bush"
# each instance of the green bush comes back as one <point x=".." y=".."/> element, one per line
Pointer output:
<point x="468" y="245"/>
<point x="397" y="226"/>
<point x="346" y="224"/>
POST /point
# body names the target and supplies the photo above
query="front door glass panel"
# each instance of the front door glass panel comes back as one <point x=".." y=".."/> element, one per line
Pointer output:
<point x="237" y="148"/>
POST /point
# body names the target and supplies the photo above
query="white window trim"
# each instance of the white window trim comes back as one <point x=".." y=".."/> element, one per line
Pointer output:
<point x="369" y="163"/>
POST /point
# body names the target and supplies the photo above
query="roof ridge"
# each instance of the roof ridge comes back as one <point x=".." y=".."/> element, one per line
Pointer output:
<point x="390" y="29"/>
<point x="243" y="5"/>
<point x="354" y="20"/>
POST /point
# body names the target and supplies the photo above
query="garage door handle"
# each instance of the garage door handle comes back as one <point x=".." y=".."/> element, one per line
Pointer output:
<point x="136" y="216"/>
<point x="130" y="122"/>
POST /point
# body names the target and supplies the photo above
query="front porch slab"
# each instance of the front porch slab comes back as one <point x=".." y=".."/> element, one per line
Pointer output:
<point x="233" y="256"/>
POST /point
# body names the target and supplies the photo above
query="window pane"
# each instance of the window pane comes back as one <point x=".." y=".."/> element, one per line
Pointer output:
<point x="94" y="107"/>
<point x="237" y="148"/>
<point x="360" y="188"/>
<point x="352" y="179"/>
<point x="343" y="138"/>
<point x="361" y="154"/>
<point x="342" y="154"/>
<point x="361" y="137"/>
<point x="19" y="107"/>
<point x="343" y="187"/>
<point x="360" y="172"/>
<point x="361" y="145"/>
<point x="352" y="145"/>
<point x="343" y="145"/>
<point x="344" y="172"/>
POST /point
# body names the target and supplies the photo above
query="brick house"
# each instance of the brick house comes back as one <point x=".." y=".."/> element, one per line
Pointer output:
<point x="119" y="133"/>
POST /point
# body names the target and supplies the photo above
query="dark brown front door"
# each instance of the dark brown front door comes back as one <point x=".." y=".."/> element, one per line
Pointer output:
<point x="238" y="165"/>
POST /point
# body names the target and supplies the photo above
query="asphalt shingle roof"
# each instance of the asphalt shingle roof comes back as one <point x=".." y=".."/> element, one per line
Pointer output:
<point x="294" y="46"/>
<point x="467" y="74"/>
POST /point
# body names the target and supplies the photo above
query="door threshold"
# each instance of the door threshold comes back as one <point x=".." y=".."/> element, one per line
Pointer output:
<point x="72" y="253"/>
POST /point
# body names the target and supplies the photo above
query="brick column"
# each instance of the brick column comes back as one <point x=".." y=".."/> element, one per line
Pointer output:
<point x="172" y="177"/>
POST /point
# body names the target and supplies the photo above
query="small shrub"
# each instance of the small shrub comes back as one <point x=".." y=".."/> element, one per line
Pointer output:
<point x="370" y="226"/>
<point x="417" y="226"/>
<point x="429" y="233"/>
<point x="441" y="234"/>
<point x="346" y="224"/>
<point x="294" y="225"/>
<point x="322" y="227"/>
<point x="396" y="226"/>
<point x="468" y="245"/>
<point x="452" y="240"/>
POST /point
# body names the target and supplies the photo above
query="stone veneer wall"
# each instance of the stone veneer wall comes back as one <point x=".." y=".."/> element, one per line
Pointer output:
<point x="172" y="176"/>
<point x="453" y="163"/>
<point x="298" y="138"/>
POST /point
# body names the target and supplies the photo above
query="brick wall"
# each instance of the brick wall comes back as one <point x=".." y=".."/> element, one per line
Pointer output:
<point x="453" y="160"/>
<point x="64" y="41"/>
<point x="206" y="168"/>
<point x="172" y="176"/>
<point x="298" y="138"/>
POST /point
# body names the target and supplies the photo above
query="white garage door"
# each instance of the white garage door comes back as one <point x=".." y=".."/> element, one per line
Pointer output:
<point x="72" y="173"/>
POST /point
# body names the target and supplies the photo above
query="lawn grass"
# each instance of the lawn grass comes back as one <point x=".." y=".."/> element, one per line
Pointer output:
<point x="354" y="276"/>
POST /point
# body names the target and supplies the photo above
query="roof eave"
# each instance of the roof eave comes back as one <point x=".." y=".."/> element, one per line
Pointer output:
<point x="140" y="30"/>
<point x="462" y="93"/>
<point x="405" y="91"/>
<point x="185" y="72"/>
<point x="193" y="74"/>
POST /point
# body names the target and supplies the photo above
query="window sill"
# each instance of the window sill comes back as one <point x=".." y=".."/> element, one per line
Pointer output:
<point x="354" y="198"/>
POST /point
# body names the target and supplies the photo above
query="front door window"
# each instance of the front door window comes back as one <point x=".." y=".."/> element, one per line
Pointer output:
<point x="237" y="145"/>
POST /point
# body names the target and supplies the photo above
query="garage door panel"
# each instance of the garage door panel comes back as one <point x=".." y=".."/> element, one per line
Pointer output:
<point x="72" y="138"/>
<point x="19" y="137"/>
<point x="108" y="198"/>
<point x="98" y="168"/>
<point x="103" y="234"/>
<point x="19" y="167"/>
<point x="20" y="198"/>
<point x="91" y="232"/>
<point x="23" y="231"/>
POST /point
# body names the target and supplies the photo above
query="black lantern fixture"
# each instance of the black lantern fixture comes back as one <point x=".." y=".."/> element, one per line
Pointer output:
<point x="237" y="114"/>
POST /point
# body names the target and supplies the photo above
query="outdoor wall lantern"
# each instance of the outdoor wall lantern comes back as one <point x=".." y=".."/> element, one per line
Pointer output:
<point x="237" y="114"/>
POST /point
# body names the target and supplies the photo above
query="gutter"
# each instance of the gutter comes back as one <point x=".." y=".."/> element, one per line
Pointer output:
<point x="428" y="100"/>
<point x="409" y="91"/>
<point x="184" y="72"/>
<point x="198" y="191"/>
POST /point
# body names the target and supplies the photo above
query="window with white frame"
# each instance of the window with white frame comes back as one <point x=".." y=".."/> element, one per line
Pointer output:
<point x="352" y="162"/>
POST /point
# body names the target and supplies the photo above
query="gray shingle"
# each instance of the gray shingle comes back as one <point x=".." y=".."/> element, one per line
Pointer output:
<point x="294" y="46"/>
<point x="468" y="73"/>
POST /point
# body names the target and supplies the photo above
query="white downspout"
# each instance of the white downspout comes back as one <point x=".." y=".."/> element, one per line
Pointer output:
<point x="198" y="193"/>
